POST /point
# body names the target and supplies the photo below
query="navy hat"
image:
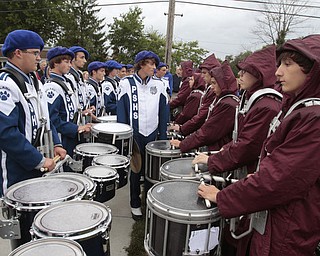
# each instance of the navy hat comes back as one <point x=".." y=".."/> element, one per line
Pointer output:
<point x="129" y="66"/>
<point x="111" y="64"/>
<point x="76" y="48"/>
<point x="146" y="55"/>
<point x="22" y="39"/>
<point x="96" y="65"/>
<point x="161" y="64"/>
<point x="57" y="51"/>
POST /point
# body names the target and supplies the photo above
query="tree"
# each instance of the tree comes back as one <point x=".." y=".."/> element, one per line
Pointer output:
<point x="126" y="35"/>
<point x="279" y="19"/>
<point x="234" y="60"/>
<point x="82" y="27"/>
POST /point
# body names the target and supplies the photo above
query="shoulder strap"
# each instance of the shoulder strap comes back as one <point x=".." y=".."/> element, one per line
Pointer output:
<point x="306" y="102"/>
<point x="61" y="83"/>
<point x="75" y="75"/>
<point x="113" y="82"/>
<point x="19" y="80"/>
<point x="197" y="90"/>
<point x="94" y="86"/>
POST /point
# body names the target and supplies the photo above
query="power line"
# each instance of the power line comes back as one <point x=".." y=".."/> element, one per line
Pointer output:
<point x="272" y="3"/>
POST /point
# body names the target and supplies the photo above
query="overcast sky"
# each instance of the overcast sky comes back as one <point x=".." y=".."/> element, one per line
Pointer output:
<point x="220" y="30"/>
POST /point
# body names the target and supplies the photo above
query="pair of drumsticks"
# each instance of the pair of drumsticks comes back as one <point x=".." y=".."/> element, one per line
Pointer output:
<point x="55" y="160"/>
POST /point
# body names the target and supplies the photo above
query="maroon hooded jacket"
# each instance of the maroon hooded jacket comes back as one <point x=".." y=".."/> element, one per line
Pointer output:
<point x="192" y="102"/>
<point x="254" y="125"/>
<point x="198" y="120"/>
<point x="184" y="91"/>
<point x="217" y="129"/>
<point x="288" y="181"/>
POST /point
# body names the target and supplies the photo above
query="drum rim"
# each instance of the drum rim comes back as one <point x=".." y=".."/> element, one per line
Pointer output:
<point x="82" y="234"/>
<point x="31" y="206"/>
<point x="75" y="246"/>
<point x="105" y="117"/>
<point x="117" y="132"/>
<point x="100" y="178"/>
<point x="77" y="150"/>
<point x="162" y="152"/>
<point x="116" y="166"/>
<point x="175" y="214"/>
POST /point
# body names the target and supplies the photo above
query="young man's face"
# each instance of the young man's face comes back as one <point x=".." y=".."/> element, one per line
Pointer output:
<point x="246" y="80"/>
<point x="79" y="61"/>
<point x="148" y="68"/>
<point x="161" y="72"/>
<point x="123" y="72"/>
<point x="63" y="67"/>
<point x="99" y="74"/>
<point x="205" y="75"/>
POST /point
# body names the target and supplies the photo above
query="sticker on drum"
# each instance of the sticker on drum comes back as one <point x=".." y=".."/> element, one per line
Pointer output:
<point x="157" y="153"/>
<point x="26" y="198"/>
<point x="86" y="152"/>
<point x="177" y="217"/>
<point x="181" y="168"/>
<point x="86" y="222"/>
<point x="107" y="119"/>
<point x="87" y="181"/>
<point x="118" y="162"/>
<point x="118" y="134"/>
<point x="49" y="247"/>
<point x="105" y="177"/>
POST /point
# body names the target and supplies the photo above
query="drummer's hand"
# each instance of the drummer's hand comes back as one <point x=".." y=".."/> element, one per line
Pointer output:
<point x="175" y="143"/>
<point x="60" y="151"/>
<point x="49" y="164"/>
<point x="84" y="128"/>
<point x="89" y="111"/>
<point x="201" y="159"/>
<point x="208" y="192"/>
<point x="174" y="127"/>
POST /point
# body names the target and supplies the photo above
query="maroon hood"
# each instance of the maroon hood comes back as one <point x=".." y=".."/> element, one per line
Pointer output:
<point x="262" y="65"/>
<point x="187" y="68"/>
<point x="225" y="78"/>
<point x="310" y="48"/>
<point x="199" y="82"/>
<point x="210" y="62"/>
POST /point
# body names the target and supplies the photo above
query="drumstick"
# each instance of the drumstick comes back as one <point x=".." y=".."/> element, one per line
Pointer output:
<point x="55" y="160"/>
<point x="196" y="168"/>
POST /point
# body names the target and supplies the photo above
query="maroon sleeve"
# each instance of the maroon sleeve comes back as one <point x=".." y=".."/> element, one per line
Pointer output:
<point x="182" y="95"/>
<point x="288" y="175"/>
<point x="218" y="126"/>
<point x="253" y="132"/>
<point x="190" y="109"/>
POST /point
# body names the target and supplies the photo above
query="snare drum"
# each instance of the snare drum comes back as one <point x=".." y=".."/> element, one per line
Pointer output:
<point x="86" y="222"/>
<point x="118" y="162"/>
<point x="87" y="151"/>
<point x="178" y="222"/>
<point x="117" y="134"/>
<point x="158" y="152"/>
<point x="107" y="119"/>
<point x="87" y="181"/>
<point x="181" y="168"/>
<point x="49" y="247"/>
<point x="24" y="199"/>
<point x="105" y="178"/>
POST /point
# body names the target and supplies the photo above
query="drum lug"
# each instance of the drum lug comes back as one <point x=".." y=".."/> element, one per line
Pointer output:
<point x="10" y="229"/>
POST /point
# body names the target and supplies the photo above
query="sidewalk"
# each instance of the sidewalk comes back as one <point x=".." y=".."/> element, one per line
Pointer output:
<point x="120" y="229"/>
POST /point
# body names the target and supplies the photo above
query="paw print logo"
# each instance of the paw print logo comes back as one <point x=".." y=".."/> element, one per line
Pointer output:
<point x="50" y="94"/>
<point x="4" y="95"/>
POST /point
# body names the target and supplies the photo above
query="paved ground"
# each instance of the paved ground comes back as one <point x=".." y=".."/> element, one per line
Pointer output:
<point x="121" y="225"/>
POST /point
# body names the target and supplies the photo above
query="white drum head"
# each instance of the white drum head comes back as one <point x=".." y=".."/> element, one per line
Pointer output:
<point x="162" y="148"/>
<point x="100" y="172"/>
<point x="107" y="119"/>
<point x="95" y="149"/>
<point x="112" y="128"/>
<point x="112" y="160"/>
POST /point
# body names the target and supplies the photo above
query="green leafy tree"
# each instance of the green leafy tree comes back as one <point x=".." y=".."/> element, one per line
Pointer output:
<point x="81" y="26"/>
<point x="41" y="16"/>
<point x="234" y="60"/>
<point x="126" y="35"/>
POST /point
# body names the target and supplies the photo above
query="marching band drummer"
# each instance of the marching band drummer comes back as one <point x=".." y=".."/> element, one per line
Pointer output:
<point x="21" y="111"/>
<point x="287" y="183"/>
<point x="142" y="105"/>
<point x="61" y="98"/>
<point x="217" y="129"/>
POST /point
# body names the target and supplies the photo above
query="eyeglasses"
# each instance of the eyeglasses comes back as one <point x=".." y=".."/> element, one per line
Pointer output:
<point x="35" y="53"/>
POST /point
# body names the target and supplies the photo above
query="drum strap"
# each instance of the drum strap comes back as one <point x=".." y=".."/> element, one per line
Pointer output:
<point x="135" y="105"/>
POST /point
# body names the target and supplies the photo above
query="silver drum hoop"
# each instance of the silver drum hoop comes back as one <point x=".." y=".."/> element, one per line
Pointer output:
<point x="91" y="219"/>
<point x="113" y="160"/>
<point x="195" y="211"/>
<point x="101" y="173"/>
<point x="93" y="149"/>
<point x="162" y="148"/>
<point x="49" y="247"/>
<point x="120" y="130"/>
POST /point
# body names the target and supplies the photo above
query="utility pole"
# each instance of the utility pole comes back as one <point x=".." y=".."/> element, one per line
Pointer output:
<point x="170" y="23"/>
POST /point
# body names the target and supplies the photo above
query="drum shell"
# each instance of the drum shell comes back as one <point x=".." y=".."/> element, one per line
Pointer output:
<point x="181" y="168"/>
<point x="117" y="134"/>
<point x="157" y="153"/>
<point x="33" y="196"/>
<point x="120" y="163"/>
<point x="47" y="223"/>
<point x="49" y="247"/>
<point x="170" y="225"/>
<point x="87" y="151"/>
<point x="105" y="178"/>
